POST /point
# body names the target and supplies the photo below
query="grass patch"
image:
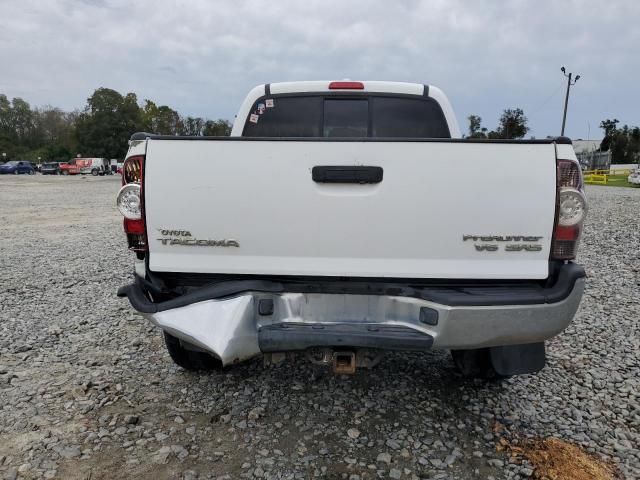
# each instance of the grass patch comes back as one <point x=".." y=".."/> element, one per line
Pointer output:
<point x="556" y="459"/>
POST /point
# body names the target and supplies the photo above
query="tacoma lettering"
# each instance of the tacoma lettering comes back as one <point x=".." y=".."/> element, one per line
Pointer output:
<point x="194" y="242"/>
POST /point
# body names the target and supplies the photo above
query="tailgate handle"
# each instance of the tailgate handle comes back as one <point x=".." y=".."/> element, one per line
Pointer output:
<point x="341" y="174"/>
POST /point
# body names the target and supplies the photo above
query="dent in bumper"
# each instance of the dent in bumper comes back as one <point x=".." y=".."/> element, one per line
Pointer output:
<point x="225" y="328"/>
<point x="230" y="328"/>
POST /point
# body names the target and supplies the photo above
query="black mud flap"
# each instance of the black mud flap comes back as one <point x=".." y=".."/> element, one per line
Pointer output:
<point x="518" y="359"/>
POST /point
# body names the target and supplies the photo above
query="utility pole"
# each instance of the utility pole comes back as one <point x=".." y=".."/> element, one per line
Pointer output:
<point x="566" y="98"/>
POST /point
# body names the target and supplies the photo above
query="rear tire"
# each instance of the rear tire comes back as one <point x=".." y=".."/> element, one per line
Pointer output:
<point x="95" y="172"/>
<point x="475" y="363"/>
<point x="190" y="359"/>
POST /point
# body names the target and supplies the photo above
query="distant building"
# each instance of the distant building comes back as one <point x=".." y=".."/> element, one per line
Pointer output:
<point x="581" y="146"/>
<point x="589" y="156"/>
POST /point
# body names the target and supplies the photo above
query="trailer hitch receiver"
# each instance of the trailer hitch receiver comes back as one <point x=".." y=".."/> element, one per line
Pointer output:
<point x="344" y="362"/>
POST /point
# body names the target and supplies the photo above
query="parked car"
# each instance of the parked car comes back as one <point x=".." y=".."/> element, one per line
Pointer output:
<point x="16" y="167"/>
<point x="69" y="168"/>
<point x="354" y="236"/>
<point x="93" y="166"/>
<point x="634" y="177"/>
<point x="50" y="168"/>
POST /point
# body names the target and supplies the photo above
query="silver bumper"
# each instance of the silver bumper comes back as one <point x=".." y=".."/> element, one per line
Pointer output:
<point x="229" y="328"/>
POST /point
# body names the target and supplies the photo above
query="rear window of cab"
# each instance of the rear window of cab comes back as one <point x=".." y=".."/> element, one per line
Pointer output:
<point x="366" y="116"/>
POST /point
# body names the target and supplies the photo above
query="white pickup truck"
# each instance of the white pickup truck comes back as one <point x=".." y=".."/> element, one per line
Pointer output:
<point x="342" y="219"/>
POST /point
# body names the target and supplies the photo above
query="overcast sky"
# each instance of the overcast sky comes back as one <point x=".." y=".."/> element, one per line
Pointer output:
<point x="201" y="57"/>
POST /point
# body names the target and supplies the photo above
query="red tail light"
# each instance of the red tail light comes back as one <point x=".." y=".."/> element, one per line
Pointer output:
<point x="132" y="170"/>
<point x="346" y="86"/>
<point x="131" y="203"/>
<point x="571" y="209"/>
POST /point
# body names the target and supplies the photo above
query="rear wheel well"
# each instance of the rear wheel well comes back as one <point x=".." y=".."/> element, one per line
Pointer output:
<point x="188" y="357"/>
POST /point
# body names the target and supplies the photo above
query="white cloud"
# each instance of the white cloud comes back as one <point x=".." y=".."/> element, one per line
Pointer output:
<point x="201" y="57"/>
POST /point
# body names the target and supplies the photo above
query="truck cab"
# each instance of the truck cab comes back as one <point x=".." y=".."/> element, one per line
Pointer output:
<point x="346" y="109"/>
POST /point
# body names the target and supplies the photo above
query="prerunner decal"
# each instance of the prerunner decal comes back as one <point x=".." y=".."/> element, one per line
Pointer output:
<point x="269" y="102"/>
<point x="253" y="118"/>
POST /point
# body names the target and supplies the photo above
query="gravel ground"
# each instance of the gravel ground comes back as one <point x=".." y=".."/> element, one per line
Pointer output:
<point x="87" y="389"/>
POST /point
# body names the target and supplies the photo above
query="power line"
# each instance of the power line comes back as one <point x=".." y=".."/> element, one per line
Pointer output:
<point x="547" y="100"/>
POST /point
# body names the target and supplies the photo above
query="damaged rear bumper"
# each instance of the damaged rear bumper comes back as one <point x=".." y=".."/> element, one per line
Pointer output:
<point x="238" y="320"/>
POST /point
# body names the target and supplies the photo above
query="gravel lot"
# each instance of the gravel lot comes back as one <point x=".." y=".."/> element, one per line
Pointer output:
<point x="87" y="389"/>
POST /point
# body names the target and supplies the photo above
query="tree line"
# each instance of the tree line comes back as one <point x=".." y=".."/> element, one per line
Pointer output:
<point x="104" y="126"/>
<point x="623" y="142"/>
<point x="512" y="125"/>
<point x="101" y="129"/>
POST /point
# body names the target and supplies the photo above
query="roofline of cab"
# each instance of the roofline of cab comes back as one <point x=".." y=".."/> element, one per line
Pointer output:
<point x="369" y="86"/>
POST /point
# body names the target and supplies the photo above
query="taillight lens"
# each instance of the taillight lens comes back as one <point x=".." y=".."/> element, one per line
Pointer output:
<point x="571" y="210"/>
<point x="132" y="170"/>
<point x="571" y="207"/>
<point x="569" y="174"/>
<point x="130" y="203"/>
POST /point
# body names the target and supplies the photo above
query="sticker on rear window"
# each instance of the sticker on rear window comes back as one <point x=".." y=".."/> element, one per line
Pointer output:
<point x="253" y="118"/>
<point x="269" y="102"/>
<point x="261" y="108"/>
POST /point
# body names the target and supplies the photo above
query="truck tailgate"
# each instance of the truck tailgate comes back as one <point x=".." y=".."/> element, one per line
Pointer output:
<point x="412" y="224"/>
